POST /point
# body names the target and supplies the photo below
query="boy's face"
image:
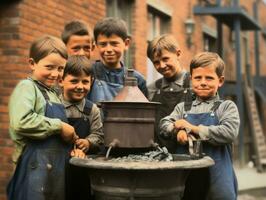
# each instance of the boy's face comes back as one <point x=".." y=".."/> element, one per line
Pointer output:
<point x="167" y="63"/>
<point x="80" y="45"/>
<point x="75" y="88"/>
<point x="111" y="49"/>
<point x="205" y="82"/>
<point x="48" y="70"/>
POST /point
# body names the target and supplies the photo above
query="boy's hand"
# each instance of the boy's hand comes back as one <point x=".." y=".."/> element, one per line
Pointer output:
<point x="183" y="124"/>
<point x="83" y="144"/>
<point x="77" y="153"/>
<point x="182" y="137"/>
<point x="68" y="133"/>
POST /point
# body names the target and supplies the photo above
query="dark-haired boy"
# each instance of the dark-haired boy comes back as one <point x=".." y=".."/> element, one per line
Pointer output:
<point x="112" y="40"/>
<point x="85" y="117"/>
<point x="77" y="36"/>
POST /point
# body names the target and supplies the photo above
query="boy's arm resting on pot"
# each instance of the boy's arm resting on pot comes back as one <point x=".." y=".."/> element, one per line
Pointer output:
<point x="167" y="124"/>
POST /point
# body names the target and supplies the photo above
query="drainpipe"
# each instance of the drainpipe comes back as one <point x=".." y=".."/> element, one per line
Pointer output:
<point x="220" y="33"/>
<point x="239" y="91"/>
<point x="256" y="40"/>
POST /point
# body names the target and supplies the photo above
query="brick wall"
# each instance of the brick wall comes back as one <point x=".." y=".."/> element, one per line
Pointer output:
<point x="10" y="61"/>
<point x="20" y="24"/>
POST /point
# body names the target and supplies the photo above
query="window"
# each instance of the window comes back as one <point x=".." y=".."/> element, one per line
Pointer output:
<point x="209" y="43"/>
<point x="209" y="38"/>
<point x="158" y="24"/>
<point x="122" y="9"/>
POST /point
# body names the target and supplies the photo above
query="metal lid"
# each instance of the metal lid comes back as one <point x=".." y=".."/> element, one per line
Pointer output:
<point x="130" y="92"/>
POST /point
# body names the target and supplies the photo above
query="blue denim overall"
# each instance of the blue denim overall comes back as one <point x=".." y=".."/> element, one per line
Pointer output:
<point x="219" y="181"/>
<point x="77" y="178"/>
<point x="101" y="89"/>
<point x="40" y="171"/>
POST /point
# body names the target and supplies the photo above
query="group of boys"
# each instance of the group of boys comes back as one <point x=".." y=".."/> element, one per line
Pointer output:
<point x="84" y="84"/>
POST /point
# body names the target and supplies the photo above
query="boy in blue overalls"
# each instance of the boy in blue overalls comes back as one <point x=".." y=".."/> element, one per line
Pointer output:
<point x="86" y="119"/>
<point x="210" y="119"/>
<point x="112" y="40"/>
<point x="38" y="126"/>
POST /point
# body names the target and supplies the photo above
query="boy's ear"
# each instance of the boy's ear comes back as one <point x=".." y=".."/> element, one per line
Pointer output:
<point x="60" y="82"/>
<point x="178" y="52"/>
<point x="92" y="46"/>
<point x="221" y="81"/>
<point x="127" y="42"/>
<point x="31" y="64"/>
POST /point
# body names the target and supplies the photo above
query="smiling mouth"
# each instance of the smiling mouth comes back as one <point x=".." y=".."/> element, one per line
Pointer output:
<point x="52" y="80"/>
<point x="81" y="92"/>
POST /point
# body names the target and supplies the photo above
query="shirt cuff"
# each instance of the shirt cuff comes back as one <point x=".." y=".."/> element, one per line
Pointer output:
<point x="203" y="132"/>
<point x="170" y="128"/>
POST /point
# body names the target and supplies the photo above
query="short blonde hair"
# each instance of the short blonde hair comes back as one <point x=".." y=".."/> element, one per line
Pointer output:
<point x="164" y="42"/>
<point x="205" y="59"/>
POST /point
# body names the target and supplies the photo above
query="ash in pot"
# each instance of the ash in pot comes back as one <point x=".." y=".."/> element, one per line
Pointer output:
<point x="161" y="154"/>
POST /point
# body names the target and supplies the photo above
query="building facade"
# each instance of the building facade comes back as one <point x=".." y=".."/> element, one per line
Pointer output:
<point x="21" y="21"/>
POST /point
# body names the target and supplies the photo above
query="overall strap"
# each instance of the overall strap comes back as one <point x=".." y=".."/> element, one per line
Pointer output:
<point x="188" y="100"/>
<point x="158" y="83"/>
<point x="188" y="92"/>
<point x="96" y="70"/>
<point x="216" y="105"/>
<point x="87" y="108"/>
<point x="42" y="89"/>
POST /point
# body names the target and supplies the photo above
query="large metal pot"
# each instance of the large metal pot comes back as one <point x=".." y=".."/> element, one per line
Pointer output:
<point x="129" y="124"/>
<point x="140" y="180"/>
<point x="129" y="119"/>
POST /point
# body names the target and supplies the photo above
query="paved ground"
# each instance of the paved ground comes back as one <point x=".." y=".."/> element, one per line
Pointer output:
<point x="250" y="197"/>
<point x="251" y="184"/>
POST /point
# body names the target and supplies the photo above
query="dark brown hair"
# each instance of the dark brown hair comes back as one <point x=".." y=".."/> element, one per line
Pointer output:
<point x="76" y="65"/>
<point x="109" y="26"/>
<point x="75" y="27"/>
